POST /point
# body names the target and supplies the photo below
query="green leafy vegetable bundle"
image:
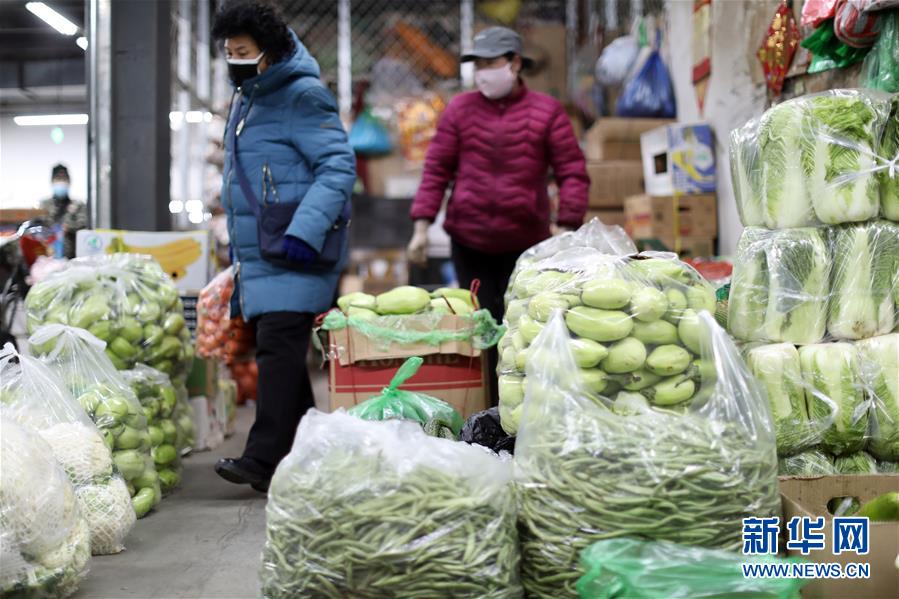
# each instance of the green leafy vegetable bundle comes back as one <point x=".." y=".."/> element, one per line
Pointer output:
<point x="880" y="374"/>
<point x="78" y="358"/>
<point x="127" y="301"/>
<point x="379" y="509"/>
<point x="157" y="397"/>
<point x="813" y="160"/>
<point x="35" y="398"/>
<point x="633" y="320"/>
<point x="807" y="463"/>
<point x="589" y="469"/>
<point x="44" y="539"/>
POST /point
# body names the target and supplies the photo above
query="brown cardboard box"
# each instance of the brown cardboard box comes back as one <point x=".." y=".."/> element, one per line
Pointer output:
<point x="608" y="217"/>
<point x="614" y="180"/>
<point x="546" y="44"/>
<point x="393" y="177"/>
<point x="809" y="497"/>
<point x="453" y="371"/>
<point x="651" y="217"/>
<point x="616" y="138"/>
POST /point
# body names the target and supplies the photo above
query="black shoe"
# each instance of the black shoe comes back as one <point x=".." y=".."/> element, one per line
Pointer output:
<point x="242" y="471"/>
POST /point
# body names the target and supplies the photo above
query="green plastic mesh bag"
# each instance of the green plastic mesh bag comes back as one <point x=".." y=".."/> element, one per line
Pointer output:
<point x="438" y="418"/>
<point x="632" y="569"/>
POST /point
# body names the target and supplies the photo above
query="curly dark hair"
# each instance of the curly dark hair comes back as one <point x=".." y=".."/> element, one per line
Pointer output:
<point x="258" y="19"/>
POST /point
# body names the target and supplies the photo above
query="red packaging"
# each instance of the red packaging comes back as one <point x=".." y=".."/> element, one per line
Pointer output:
<point x="779" y="47"/>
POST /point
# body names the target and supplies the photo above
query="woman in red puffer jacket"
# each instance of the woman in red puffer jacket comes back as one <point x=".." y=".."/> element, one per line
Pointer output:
<point x="495" y="147"/>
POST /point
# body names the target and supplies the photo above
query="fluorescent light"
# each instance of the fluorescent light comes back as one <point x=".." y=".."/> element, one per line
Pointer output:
<point x="193" y="116"/>
<point x="52" y="18"/>
<point x="194" y="205"/>
<point x="176" y="206"/>
<point x="207" y="116"/>
<point x="81" y="42"/>
<point x="33" y="120"/>
<point x="195" y="217"/>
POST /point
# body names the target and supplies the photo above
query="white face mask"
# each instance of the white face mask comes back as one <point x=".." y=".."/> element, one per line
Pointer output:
<point x="495" y="83"/>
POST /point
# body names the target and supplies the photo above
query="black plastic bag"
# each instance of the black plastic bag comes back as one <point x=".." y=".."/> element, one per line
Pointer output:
<point x="483" y="428"/>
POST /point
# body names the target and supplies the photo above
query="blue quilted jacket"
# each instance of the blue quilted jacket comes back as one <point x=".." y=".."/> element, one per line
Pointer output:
<point x="292" y="147"/>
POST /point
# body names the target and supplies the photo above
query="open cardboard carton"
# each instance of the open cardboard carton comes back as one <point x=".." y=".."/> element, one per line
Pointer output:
<point x="809" y="497"/>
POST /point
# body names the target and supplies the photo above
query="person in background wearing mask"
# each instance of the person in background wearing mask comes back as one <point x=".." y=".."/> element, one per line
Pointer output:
<point x="69" y="215"/>
<point x="284" y="142"/>
<point x="495" y="146"/>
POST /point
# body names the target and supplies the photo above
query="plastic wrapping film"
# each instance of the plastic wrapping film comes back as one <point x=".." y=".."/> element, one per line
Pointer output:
<point x="591" y="467"/>
<point x="804" y="285"/>
<point x="880" y="374"/>
<point x="33" y="396"/>
<point x="186" y="438"/>
<point x="44" y="540"/>
<point x="635" y="569"/>
<point x="633" y="320"/>
<point x="812" y="463"/>
<point x="126" y="300"/>
<point x="219" y="335"/>
<point x="158" y="399"/>
<point x="79" y="360"/>
<point x="438" y="418"/>
<point x="379" y="509"/>
<point x="814" y="160"/>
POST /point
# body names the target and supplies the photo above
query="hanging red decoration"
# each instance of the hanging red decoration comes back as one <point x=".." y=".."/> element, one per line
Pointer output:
<point x="779" y="47"/>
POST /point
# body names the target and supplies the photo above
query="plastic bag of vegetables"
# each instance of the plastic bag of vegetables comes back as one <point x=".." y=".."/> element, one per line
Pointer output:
<point x="635" y="569"/>
<point x="126" y="300"/>
<point x="808" y="463"/>
<point x="632" y="320"/>
<point x="78" y="358"/>
<point x="590" y="467"/>
<point x="186" y="438"/>
<point x="812" y="160"/>
<point x="438" y="418"/>
<point x="879" y="368"/>
<point x="38" y="400"/>
<point x="218" y="334"/>
<point x="44" y="539"/>
<point x="780" y="286"/>
<point x="380" y="509"/>
<point x="157" y="397"/>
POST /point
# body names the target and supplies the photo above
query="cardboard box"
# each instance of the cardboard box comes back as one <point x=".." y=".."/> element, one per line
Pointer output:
<point x="547" y="44"/>
<point x="616" y="138"/>
<point x="650" y="217"/>
<point x="612" y="181"/>
<point x="809" y="496"/>
<point x="359" y="367"/>
<point x="679" y="158"/>
<point x="608" y="217"/>
<point x="187" y="256"/>
<point x="393" y="177"/>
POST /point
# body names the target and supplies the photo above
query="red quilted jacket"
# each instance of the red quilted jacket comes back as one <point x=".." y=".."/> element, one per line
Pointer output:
<point x="496" y="154"/>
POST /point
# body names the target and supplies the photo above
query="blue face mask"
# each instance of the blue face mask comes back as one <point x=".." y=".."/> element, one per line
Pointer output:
<point x="60" y="190"/>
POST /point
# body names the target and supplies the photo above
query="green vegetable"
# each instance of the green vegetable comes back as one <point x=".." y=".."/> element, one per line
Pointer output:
<point x="174" y="324"/>
<point x="122" y="349"/>
<point x="544" y="304"/>
<point x="690" y="331"/>
<point x="671" y="391"/>
<point x="624" y="356"/>
<point x="403" y="300"/>
<point x="879" y="365"/>
<point x="358" y="299"/>
<point x="549" y="280"/>
<point x="807" y="463"/>
<point x="638" y="380"/>
<point x="153" y="334"/>
<point x="143" y="502"/>
<point x="855" y="463"/>
<point x="130" y="438"/>
<point x="594" y="380"/>
<point x="130" y="463"/>
<point x="529" y="328"/>
<point x="169" y="430"/>
<point x="164" y="455"/>
<point x="648" y="304"/>
<point x="131" y="330"/>
<point x="884" y="508"/>
<point x="148" y="479"/>
<point x="449" y="305"/>
<point x="658" y="332"/>
<point x="169" y="479"/>
<point x="831" y="375"/>
<point x="864" y="264"/>
<point x="668" y="360"/>
<point x="608" y="294"/>
<point x="598" y="325"/>
<point x="889" y="182"/>
<point x="459" y="294"/>
<point x="101" y="330"/>
<point x="677" y="303"/>
<point x="588" y="353"/>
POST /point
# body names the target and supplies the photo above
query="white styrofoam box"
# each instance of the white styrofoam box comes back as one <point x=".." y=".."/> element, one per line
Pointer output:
<point x="678" y="158"/>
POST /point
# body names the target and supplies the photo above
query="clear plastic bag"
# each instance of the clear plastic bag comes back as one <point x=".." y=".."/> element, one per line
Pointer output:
<point x="635" y="569"/>
<point x="79" y="360"/>
<point x="879" y="367"/>
<point x="125" y="300"/>
<point x="625" y="311"/>
<point x="617" y="60"/>
<point x="158" y="399"/>
<point x="218" y="335"/>
<point x="379" y="509"/>
<point x="808" y="463"/>
<point x="35" y="398"/>
<point x="812" y="160"/>
<point x="45" y="542"/>
<point x="438" y="418"/>
<point x="590" y="467"/>
<point x="186" y="439"/>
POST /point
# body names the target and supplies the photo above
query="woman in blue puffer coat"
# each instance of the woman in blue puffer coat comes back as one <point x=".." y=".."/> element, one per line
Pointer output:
<point x="285" y="133"/>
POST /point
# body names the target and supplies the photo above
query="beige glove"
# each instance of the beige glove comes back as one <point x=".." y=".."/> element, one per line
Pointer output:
<point x="417" y="250"/>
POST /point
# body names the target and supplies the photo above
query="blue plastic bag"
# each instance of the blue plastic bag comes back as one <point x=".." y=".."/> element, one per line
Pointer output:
<point x="649" y="94"/>
<point x="368" y="136"/>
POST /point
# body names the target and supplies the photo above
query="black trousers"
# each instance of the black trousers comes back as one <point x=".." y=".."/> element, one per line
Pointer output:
<point x="493" y="270"/>
<point x="284" y="392"/>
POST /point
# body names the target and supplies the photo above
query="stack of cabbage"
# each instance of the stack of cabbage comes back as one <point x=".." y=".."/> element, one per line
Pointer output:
<point x="44" y="540"/>
<point x="125" y="300"/>
<point x="156" y="395"/>
<point x="36" y="399"/>
<point x="633" y="320"/>
<point x="77" y="357"/>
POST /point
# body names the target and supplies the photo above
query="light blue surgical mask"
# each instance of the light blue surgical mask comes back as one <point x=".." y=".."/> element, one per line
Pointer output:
<point x="60" y="190"/>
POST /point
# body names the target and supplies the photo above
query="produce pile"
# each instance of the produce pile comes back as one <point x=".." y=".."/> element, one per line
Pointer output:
<point x="37" y="400"/>
<point x="126" y="300"/>
<point x="816" y="294"/>
<point x="379" y="509"/>
<point x="45" y="541"/>
<point x="157" y="397"/>
<point x="407" y="300"/>
<point x="633" y="321"/>
<point x="219" y="334"/>
<point x="590" y="467"/>
<point x="819" y="159"/>
<point x="78" y="358"/>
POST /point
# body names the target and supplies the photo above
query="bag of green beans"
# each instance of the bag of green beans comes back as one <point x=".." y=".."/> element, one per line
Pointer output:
<point x="370" y="509"/>
<point x="589" y="468"/>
